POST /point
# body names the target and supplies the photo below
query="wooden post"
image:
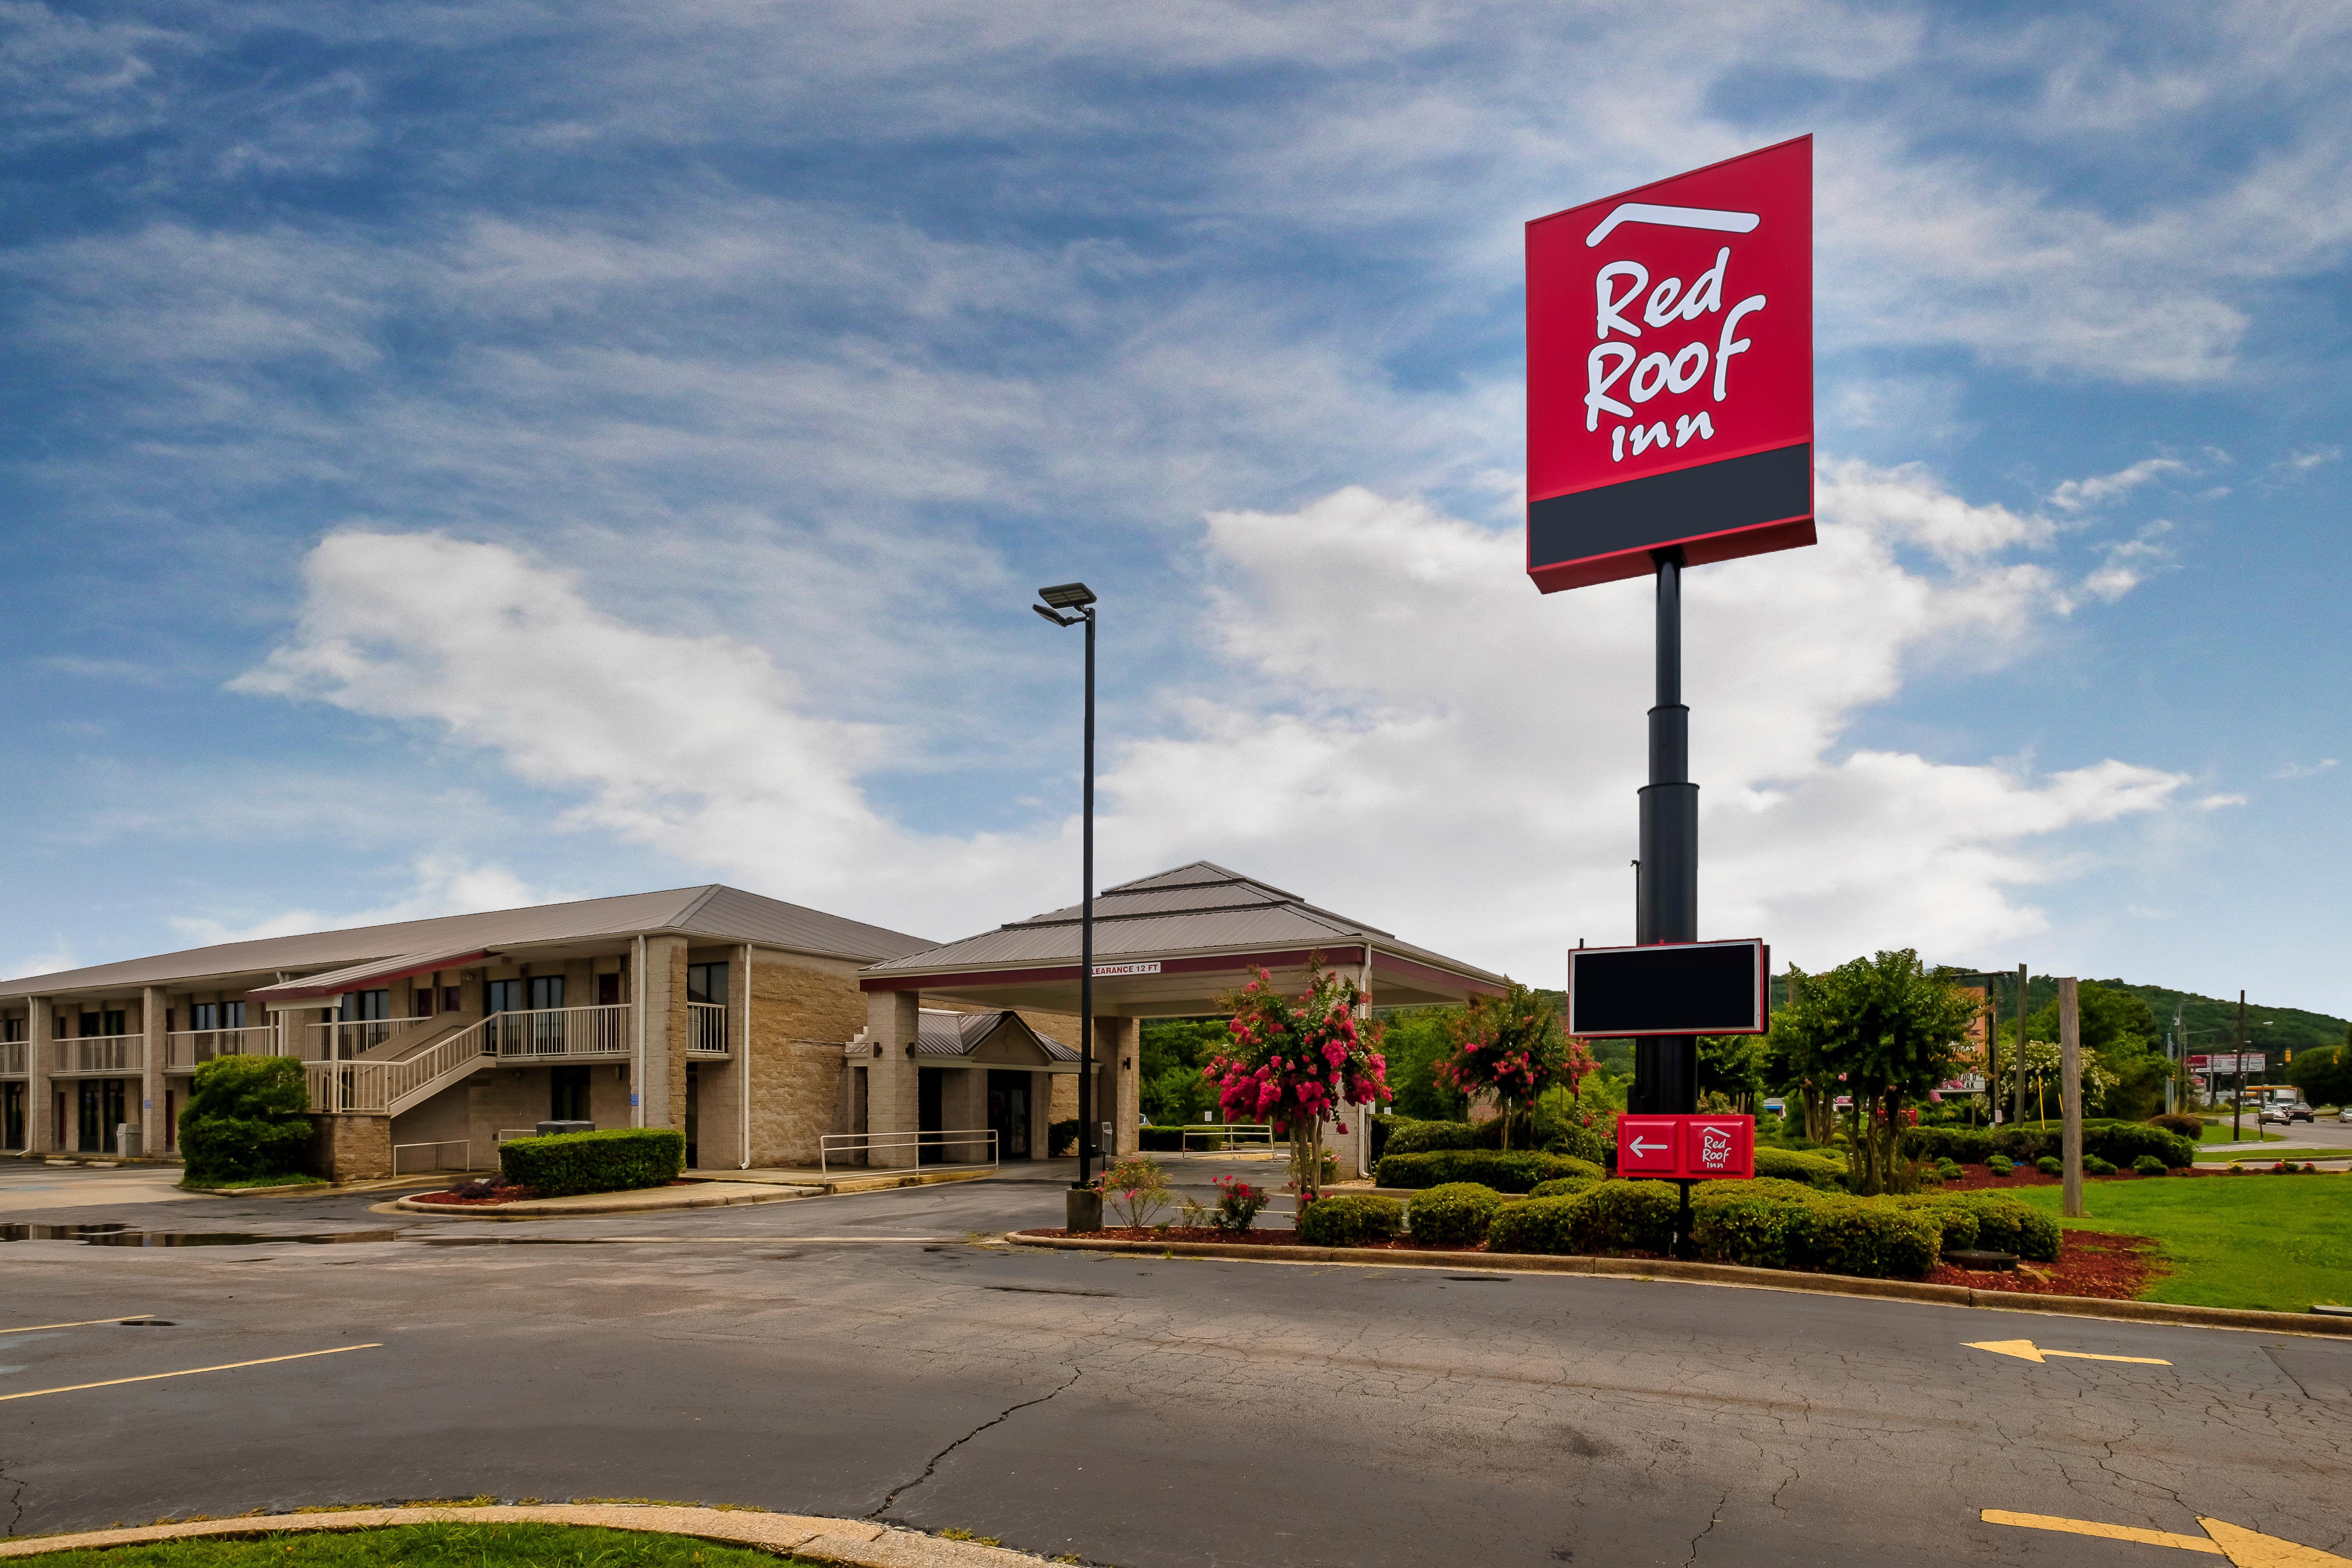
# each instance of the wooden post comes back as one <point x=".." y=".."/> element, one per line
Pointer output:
<point x="2070" y="1089"/>
<point x="2017" y="1062"/>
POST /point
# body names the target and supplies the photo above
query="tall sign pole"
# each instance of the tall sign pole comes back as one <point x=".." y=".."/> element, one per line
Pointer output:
<point x="1670" y="425"/>
<point x="2017" y="1080"/>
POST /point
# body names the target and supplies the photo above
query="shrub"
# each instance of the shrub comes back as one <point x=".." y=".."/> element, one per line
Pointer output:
<point x="1238" y="1205"/>
<point x="1782" y="1224"/>
<point x="1061" y="1137"/>
<point x="1957" y="1224"/>
<point x="1629" y="1216"/>
<point x="1136" y="1189"/>
<point x="1350" y="1219"/>
<point x="1544" y="1222"/>
<point x="2149" y="1165"/>
<point x="1594" y="1145"/>
<point x="611" y="1161"/>
<point x="2178" y="1125"/>
<point x="2095" y="1166"/>
<point x="1160" y="1139"/>
<point x="1517" y="1172"/>
<point x="1563" y="1187"/>
<point x="1823" y="1171"/>
<point x="1871" y="1240"/>
<point x="2005" y="1224"/>
<point x="1457" y="1211"/>
<point x="2119" y="1143"/>
<point x="1410" y="1137"/>
<point x="246" y="1117"/>
<point x="2049" y="1165"/>
<point x="2000" y="1164"/>
<point x="1969" y="1145"/>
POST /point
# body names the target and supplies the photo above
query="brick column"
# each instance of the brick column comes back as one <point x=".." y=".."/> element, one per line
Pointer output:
<point x="41" y="1053"/>
<point x="661" y="1087"/>
<point x="1118" y="1047"/>
<point x="151" y="1003"/>
<point x="893" y="1019"/>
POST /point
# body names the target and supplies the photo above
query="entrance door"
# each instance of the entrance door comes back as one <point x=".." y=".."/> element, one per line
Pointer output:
<point x="927" y="1112"/>
<point x="1008" y="1113"/>
<point x="567" y="1098"/>
<point x="693" y="1113"/>
<point x="102" y="1104"/>
<point x="12" y="1116"/>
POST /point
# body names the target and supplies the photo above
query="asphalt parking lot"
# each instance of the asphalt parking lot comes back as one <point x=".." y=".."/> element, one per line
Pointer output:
<point x="869" y="1356"/>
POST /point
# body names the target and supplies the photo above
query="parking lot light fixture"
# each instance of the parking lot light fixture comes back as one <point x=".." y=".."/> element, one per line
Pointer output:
<point x="1068" y="605"/>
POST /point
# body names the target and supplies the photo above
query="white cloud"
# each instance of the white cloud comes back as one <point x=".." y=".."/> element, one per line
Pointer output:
<point x="2129" y="562"/>
<point x="1407" y="731"/>
<point x="442" y="885"/>
<point x="2075" y="495"/>
<point x="57" y="957"/>
<point x="2216" y="802"/>
<point x="2303" y="771"/>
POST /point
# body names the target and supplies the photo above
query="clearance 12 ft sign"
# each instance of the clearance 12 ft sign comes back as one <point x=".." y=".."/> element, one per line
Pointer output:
<point x="1670" y="372"/>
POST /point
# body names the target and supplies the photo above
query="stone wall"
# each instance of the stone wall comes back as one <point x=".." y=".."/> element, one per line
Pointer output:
<point x="350" y="1147"/>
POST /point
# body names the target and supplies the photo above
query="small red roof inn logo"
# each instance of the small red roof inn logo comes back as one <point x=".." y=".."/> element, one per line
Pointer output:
<point x="1670" y="372"/>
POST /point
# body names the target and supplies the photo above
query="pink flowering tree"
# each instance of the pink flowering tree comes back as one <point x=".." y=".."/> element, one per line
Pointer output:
<point x="1510" y="1048"/>
<point x="1296" y="1064"/>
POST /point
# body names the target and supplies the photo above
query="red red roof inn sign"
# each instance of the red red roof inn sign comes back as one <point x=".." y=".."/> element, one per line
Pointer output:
<point x="1670" y="372"/>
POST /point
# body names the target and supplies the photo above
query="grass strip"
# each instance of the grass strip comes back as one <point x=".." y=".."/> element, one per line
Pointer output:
<point x="426" y="1546"/>
<point x="2275" y="1244"/>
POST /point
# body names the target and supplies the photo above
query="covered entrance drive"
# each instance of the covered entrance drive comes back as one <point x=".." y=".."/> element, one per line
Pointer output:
<point x="1167" y="946"/>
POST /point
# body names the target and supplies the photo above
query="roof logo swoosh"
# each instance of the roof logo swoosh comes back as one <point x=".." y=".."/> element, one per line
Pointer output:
<point x="1672" y="217"/>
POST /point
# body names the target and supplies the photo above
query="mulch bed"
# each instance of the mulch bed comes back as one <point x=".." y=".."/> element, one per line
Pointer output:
<point x="505" y="1195"/>
<point x="1189" y="1233"/>
<point x="2090" y="1263"/>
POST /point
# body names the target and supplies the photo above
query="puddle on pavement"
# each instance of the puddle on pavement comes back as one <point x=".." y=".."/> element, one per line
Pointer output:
<point x="516" y="1241"/>
<point x="112" y="1235"/>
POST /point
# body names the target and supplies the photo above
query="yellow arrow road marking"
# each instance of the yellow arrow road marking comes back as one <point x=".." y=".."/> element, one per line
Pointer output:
<point x="2025" y="1350"/>
<point x="83" y="1324"/>
<point x="2105" y="1532"/>
<point x="190" y="1371"/>
<point x="2244" y="1548"/>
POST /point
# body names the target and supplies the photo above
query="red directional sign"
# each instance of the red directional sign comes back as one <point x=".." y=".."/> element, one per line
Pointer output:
<point x="1670" y="372"/>
<point x="1698" y="1147"/>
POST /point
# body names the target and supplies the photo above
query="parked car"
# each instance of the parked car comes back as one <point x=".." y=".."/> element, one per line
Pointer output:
<point x="2277" y="1113"/>
<point x="2344" y="1114"/>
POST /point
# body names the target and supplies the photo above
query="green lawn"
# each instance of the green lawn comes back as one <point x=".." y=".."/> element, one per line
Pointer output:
<point x="429" y="1546"/>
<point x="2266" y="1156"/>
<point x="2278" y="1243"/>
<point x="2219" y="1133"/>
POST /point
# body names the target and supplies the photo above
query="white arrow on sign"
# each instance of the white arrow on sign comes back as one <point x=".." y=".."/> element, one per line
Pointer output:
<point x="1640" y="1148"/>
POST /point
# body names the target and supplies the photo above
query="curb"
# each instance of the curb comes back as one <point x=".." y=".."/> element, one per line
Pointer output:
<point x="856" y="1542"/>
<point x="556" y="1208"/>
<point x="1730" y="1274"/>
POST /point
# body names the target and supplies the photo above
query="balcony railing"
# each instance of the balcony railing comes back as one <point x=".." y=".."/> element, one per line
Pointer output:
<point x="184" y="1049"/>
<point x="94" y="1054"/>
<point x="705" y="1029"/>
<point x="555" y="1033"/>
<point x="12" y="1059"/>
<point x="343" y="1042"/>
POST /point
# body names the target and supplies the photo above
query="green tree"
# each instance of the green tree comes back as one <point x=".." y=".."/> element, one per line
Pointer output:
<point x="1511" y="1047"/>
<point x="245" y="1116"/>
<point x="1416" y="1041"/>
<point x="2121" y="1027"/>
<point x="1889" y="1031"/>
<point x="1735" y="1067"/>
<point x="1174" y="1051"/>
<point x="2325" y="1075"/>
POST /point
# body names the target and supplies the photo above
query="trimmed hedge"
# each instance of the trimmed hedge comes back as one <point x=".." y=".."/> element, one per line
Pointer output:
<point x="1517" y="1172"/>
<point x="1350" y="1219"/>
<point x="2003" y="1223"/>
<point x="2148" y="1165"/>
<point x="1407" y="1136"/>
<point x="246" y="1117"/>
<point x="2118" y="1142"/>
<point x="2189" y="1127"/>
<point x="1610" y="1217"/>
<point x="1457" y="1211"/>
<point x="1783" y="1224"/>
<point x="614" y="1160"/>
<point x="1564" y="1186"/>
<point x="1823" y="1171"/>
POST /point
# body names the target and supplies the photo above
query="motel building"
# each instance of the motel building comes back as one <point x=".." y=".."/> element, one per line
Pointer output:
<point x="774" y="1035"/>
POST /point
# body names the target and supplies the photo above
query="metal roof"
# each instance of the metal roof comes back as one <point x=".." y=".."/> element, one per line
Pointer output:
<point x="356" y="976"/>
<point x="944" y="1033"/>
<point x="1196" y="910"/>
<point x="712" y="910"/>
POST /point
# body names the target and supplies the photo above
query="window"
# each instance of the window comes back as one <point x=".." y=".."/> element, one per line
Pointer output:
<point x="706" y="983"/>
<point x="204" y="1015"/>
<point x="232" y="1015"/>
<point x="12" y="1030"/>
<point x="367" y="1006"/>
<point x="423" y="1001"/>
<point x="502" y="996"/>
<point x="96" y="1024"/>
<point x="449" y="1000"/>
<point x="546" y="991"/>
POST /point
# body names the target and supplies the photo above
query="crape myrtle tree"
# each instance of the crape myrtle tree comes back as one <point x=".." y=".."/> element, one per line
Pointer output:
<point x="1887" y="1032"/>
<point x="1296" y="1064"/>
<point x="1511" y="1048"/>
<point x="2120" y="1030"/>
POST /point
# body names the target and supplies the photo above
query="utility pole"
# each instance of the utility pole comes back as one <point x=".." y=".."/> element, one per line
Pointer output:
<point x="2070" y="1090"/>
<point x="2017" y="1068"/>
<point x="2238" y="1096"/>
<point x="2176" y="1046"/>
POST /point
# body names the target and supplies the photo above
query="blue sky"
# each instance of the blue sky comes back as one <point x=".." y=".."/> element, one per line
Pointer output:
<point x="455" y="457"/>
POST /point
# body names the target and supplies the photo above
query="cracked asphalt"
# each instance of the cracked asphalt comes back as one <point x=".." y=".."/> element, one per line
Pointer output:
<point x="863" y="1356"/>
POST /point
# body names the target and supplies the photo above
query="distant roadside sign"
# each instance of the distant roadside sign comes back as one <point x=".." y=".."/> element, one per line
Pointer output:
<point x="1670" y="372"/>
<point x="1669" y="988"/>
<point x="2226" y="1063"/>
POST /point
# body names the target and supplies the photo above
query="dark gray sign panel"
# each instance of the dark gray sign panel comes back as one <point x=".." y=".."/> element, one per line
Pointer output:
<point x="1669" y="988"/>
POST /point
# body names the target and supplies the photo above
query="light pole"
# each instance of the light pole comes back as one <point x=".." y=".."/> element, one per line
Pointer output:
<point x="1079" y="599"/>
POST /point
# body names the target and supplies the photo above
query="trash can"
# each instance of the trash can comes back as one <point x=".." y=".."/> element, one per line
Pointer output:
<point x="126" y="1139"/>
<point x="551" y="1129"/>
